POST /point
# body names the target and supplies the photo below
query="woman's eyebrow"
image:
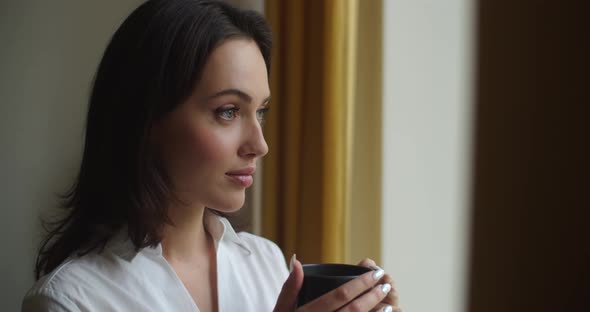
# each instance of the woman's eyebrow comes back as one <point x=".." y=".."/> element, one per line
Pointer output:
<point x="241" y="94"/>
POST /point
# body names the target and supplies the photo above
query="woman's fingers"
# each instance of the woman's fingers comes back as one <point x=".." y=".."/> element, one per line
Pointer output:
<point x="288" y="296"/>
<point x="392" y="297"/>
<point x="369" y="300"/>
<point x="344" y="294"/>
<point x="368" y="263"/>
<point x="382" y="307"/>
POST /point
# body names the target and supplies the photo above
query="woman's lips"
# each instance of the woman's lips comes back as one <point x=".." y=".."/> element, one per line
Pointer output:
<point x="244" y="180"/>
<point x="242" y="177"/>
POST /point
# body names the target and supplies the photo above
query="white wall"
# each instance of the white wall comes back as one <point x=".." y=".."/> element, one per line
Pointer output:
<point x="426" y="123"/>
<point x="50" y="50"/>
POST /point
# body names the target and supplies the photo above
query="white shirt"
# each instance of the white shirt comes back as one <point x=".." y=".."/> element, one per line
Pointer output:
<point x="250" y="273"/>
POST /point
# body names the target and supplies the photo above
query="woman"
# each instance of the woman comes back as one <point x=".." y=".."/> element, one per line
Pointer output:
<point x="172" y="140"/>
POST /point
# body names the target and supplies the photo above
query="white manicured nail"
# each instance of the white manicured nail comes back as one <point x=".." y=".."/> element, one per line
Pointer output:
<point x="378" y="274"/>
<point x="291" y="262"/>
<point x="385" y="288"/>
<point x="387" y="309"/>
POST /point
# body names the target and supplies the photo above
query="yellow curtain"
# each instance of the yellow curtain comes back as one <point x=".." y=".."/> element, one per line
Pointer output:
<point x="306" y="175"/>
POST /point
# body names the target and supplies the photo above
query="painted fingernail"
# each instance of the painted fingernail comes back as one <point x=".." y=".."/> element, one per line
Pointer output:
<point x="293" y="258"/>
<point x="385" y="288"/>
<point x="378" y="274"/>
<point x="388" y="308"/>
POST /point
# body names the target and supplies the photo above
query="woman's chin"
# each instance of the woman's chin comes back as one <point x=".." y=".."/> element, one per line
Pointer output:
<point x="229" y="206"/>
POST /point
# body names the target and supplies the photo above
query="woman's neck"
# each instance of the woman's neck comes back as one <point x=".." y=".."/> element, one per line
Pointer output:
<point x="190" y="250"/>
<point x="187" y="239"/>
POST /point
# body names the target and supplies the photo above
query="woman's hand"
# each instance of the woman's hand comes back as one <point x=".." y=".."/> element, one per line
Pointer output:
<point x="392" y="297"/>
<point x="341" y="298"/>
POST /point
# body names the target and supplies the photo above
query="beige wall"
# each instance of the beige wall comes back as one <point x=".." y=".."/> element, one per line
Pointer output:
<point x="50" y="50"/>
<point x="427" y="102"/>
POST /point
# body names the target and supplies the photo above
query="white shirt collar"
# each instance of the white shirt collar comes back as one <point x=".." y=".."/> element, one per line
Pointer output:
<point x="221" y="230"/>
<point x="219" y="227"/>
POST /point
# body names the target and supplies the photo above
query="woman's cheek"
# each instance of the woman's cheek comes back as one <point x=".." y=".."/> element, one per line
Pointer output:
<point x="210" y="144"/>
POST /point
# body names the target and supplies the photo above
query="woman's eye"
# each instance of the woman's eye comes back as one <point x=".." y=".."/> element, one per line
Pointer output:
<point x="261" y="113"/>
<point x="227" y="113"/>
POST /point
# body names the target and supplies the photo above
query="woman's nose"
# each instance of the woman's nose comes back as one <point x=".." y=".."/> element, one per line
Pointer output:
<point x="254" y="145"/>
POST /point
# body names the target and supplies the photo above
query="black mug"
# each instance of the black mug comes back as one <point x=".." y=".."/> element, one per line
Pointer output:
<point x="319" y="279"/>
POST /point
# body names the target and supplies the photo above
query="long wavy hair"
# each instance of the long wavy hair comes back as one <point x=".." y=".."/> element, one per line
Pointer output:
<point x="151" y="65"/>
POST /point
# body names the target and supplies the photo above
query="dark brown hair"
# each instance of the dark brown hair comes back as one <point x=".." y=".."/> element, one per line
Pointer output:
<point x="151" y="65"/>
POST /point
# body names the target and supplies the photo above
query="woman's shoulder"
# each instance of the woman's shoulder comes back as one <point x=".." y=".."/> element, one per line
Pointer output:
<point x="48" y="290"/>
<point x="57" y="288"/>
<point x="75" y="269"/>
<point x="75" y="278"/>
<point x="61" y="277"/>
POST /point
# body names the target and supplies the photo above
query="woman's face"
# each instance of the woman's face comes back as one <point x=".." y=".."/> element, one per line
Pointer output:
<point x="210" y="143"/>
